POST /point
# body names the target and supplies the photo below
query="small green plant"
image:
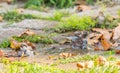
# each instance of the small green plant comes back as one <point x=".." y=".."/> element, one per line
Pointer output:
<point x="75" y="59"/>
<point x="58" y="15"/>
<point x="52" y="3"/>
<point x="35" y="39"/>
<point x="14" y="16"/>
<point x="75" y="23"/>
<point x="5" y="44"/>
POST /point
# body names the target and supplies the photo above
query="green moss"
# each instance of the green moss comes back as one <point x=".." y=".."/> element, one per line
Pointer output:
<point x="35" y="39"/>
<point x="5" y="43"/>
<point x="14" y="16"/>
<point x="74" y="23"/>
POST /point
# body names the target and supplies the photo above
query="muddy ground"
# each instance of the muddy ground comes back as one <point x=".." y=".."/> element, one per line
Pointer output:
<point x="43" y="51"/>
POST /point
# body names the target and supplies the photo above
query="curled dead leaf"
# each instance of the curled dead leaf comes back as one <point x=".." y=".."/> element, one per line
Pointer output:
<point x="30" y="44"/>
<point x="80" y="65"/>
<point x="83" y="8"/>
<point x="96" y="49"/>
<point x="14" y="44"/>
<point x="106" y="45"/>
<point x="89" y="64"/>
<point x="27" y="33"/>
<point x="116" y="33"/>
<point x="117" y="51"/>
<point x="104" y="32"/>
<point x="102" y="61"/>
<point x="66" y="55"/>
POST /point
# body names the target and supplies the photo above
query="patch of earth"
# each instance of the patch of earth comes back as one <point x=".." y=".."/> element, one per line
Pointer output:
<point x="4" y="7"/>
<point x="69" y="66"/>
<point x="6" y="33"/>
<point x="34" y="24"/>
<point x="112" y="11"/>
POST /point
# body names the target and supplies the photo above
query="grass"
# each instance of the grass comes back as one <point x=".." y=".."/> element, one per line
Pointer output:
<point x="24" y="67"/>
<point x="5" y="43"/>
<point x="74" y="23"/>
<point x="75" y="59"/>
<point x="58" y="15"/>
<point x="14" y="16"/>
<point x="33" y="39"/>
<point x="82" y="58"/>
<point x="50" y="3"/>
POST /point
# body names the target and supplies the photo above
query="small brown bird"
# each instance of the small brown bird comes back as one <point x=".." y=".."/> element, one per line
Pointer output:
<point x="101" y="18"/>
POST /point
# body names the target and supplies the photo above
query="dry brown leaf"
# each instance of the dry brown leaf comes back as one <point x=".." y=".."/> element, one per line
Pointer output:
<point x="93" y="38"/>
<point x="83" y="8"/>
<point x="1" y="53"/>
<point x="118" y="63"/>
<point x="117" y="51"/>
<point x="30" y="44"/>
<point x="89" y="64"/>
<point x="104" y="32"/>
<point x="80" y="65"/>
<point x="102" y="61"/>
<point x="116" y="33"/>
<point x="106" y="45"/>
<point x="14" y="44"/>
<point x="1" y="18"/>
<point x="66" y="55"/>
<point x="96" y="48"/>
<point x="27" y="33"/>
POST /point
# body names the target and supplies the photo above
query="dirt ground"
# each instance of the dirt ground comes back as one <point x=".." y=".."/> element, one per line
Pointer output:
<point x="44" y="51"/>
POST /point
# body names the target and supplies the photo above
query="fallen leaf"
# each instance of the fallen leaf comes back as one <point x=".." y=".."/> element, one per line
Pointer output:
<point x="80" y="65"/>
<point x="93" y="38"/>
<point x="14" y="44"/>
<point x="96" y="48"/>
<point x="117" y="51"/>
<point x="1" y="18"/>
<point x="104" y="32"/>
<point x="83" y="8"/>
<point x="106" y="45"/>
<point x="116" y="33"/>
<point x="66" y="55"/>
<point x="27" y="33"/>
<point x="89" y="64"/>
<point x="1" y="53"/>
<point x="30" y="44"/>
<point x="102" y="61"/>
